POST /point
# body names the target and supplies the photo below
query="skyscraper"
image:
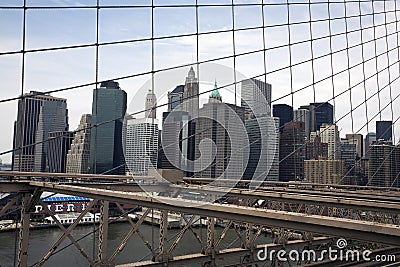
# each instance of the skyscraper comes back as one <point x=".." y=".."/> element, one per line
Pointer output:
<point x="256" y="98"/>
<point x="348" y="154"/>
<point x="38" y="114"/>
<point x="108" y="111"/>
<point x="303" y="115"/>
<point x="150" y="105"/>
<point x="284" y="113"/>
<point x="178" y="142"/>
<point x="384" y="130"/>
<point x="356" y="139"/>
<point x="292" y="152"/>
<point x="79" y="153"/>
<point x="330" y="135"/>
<point x="370" y="138"/>
<point x="141" y="150"/>
<point x="175" y="98"/>
<point x="217" y="122"/>
<point x="263" y="163"/>
<point x="177" y="137"/>
<point x="384" y="164"/>
<point x="320" y="113"/>
<point x="191" y="94"/>
<point x="57" y="148"/>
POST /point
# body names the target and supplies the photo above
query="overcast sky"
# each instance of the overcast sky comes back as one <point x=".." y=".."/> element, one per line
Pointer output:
<point x="47" y="28"/>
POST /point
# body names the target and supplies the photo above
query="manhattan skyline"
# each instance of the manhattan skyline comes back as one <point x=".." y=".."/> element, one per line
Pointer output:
<point x="49" y="70"/>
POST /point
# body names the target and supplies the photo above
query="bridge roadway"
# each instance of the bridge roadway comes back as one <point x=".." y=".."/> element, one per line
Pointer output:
<point x="352" y="229"/>
<point x="341" y="196"/>
<point x="333" y="198"/>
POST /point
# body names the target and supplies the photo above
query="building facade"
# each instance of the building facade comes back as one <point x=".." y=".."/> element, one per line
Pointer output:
<point x="175" y="98"/>
<point x="177" y="142"/>
<point x="320" y="113"/>
<point x="384" y="164"/>
<point x="141" y="145"/>
<point x="221" y="155"/>
<point x="57" y="149"/>
<point x="292" y="152"/>
<point x="348" y="154"/>
<point x="356" y="139"/>
<point x="324" y="171"/>
<point x="79" y="153"/>
<point x="384" y="130"/>
<point x="284" y="113"/>
<point x="315" y="149"/>
<point x="150" y="105"/>
<point x="263" y="163"/>
<point x="330" y="135"/>
<point x="370" y="138"/>
<point x="256" y="98"/>
<point x="38" y="114"/>
<point x="108" y="111"/>
<point x="303" y="115"/>
<point x="191" y="94"/>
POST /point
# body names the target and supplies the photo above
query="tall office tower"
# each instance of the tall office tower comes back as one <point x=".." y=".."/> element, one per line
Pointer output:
<point x="370" y="138"/>
<point x="384" y="166"/>
<point x="57" y="148"/>
<point x="303" y="115"/>
<point x="191" y="94"/>
<point x="292" y="152"/>
<point x="348" y="154"/>
<point x="320" y="113"/>
<point x="150" y="105"/>
<point x="256" y="98"/>
<point x="175" y="98"/>
<point x="177" y="142"/>
<point x="141" y="149"/>
<point x="356" y="139"/>
<point x="38" y="114"/>
<point x="384" y="130"/>
<point x="217" y="122"/>
<point x="284" y="113"/>
<point x="324" y="171"/>
<point x="263" y="163"/>
<point x="315" y="149"/>
<point x="330" y="135"/>
<point x="79" y="153"/>
<point x="108" y="111"/>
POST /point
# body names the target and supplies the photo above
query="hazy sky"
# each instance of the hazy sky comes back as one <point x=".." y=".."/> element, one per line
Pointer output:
<point x="47" y="28"/>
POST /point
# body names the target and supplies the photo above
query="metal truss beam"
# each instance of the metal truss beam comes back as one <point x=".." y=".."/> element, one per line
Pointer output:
<point x="24" y="232"/>
<point x="127" y="187"/>
<point x="73" y="176"/>
<point x="188" y="260"/>
<point x="133" y="230"/>
<point x="9" y="204"/>
<point x="288" y="184"/>
<point x="346" y="199"/>
<point x="352" y="229"/>
<point x="80" y="249"/>
<point x="314" y="198"/>
<point x="15" y="186"/>
<point x="64" y="235"/>
<point x="103" y="233"/>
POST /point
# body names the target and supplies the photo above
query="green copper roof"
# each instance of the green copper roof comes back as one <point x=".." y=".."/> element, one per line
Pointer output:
<point x="215" y="92"/>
